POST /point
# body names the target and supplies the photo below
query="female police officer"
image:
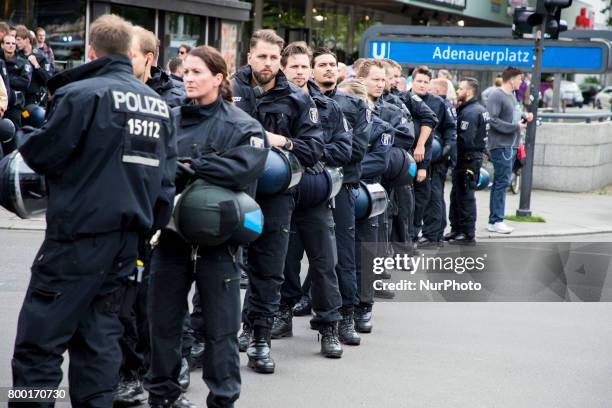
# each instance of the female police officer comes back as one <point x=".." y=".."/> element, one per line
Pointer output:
<point x="224" y="147"/>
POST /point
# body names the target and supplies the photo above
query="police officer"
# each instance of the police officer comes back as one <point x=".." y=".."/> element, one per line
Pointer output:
<point x="39" y="64"/>
<point x="133" y="314"/>
<point x="374" y="165"/>
<point x="19" y="73"/>
<point x="312" y="224"/>
<point x="421" y="76"/>
<point x="224" y="146"/>
<point x="290" y="119"/>
<point x="472" y="127"/>
<point x="357" y="114"/>
<point x="374" y="74"/>
<point x="109" y="156"/>
<point x="434" y="218"/>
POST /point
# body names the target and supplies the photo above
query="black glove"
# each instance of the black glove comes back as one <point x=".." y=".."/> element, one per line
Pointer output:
<point x="183" y="176"/>
<point x="318" y="168"/>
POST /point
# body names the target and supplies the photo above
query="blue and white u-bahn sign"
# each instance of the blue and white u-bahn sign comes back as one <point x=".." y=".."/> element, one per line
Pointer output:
<point x="493" y="54"/>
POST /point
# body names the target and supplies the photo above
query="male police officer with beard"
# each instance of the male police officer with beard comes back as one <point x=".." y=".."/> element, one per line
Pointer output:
<point x="472" y="128"/>
<point x="290" y="119"/>
<point x="356" y="112"/>
<point x="434" y="218"/>
<point x="109" y="156"/>
<point x="312" y="222"/>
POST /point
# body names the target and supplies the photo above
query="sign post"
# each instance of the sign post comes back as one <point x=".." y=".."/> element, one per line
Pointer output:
<point x="527" y="171"/>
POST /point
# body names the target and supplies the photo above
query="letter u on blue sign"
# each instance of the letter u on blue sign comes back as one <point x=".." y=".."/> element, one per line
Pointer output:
<point x="381" y="50"/>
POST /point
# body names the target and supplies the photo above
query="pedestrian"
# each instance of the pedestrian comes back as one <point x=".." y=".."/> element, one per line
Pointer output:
<point x="41" y="36"/>
<point x="223" y="146"/>
<point x="506" y="124"/>
<point x="373" y="166"/>
<point x="422" y="188"/>
<point x="183" y="51"/>
<point x="451" y="94"/>
<point x="291" y="121"/>
<point x="312" y="223"/>
<point x="359" y="117"/>
<point x="40" y="66"/>
<point x="19" y="72"/>
<point x="434" y="218"/>
<point x="107" y="183"/>
<point x="472" y="127"/>
<point x="175" y="66"/>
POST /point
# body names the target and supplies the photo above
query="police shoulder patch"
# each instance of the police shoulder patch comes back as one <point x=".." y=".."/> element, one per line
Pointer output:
<point x="385" y="139"/>
<point x="257" y="142"/>
<point x="464" y="125"/>
<point x="27" y="67"/>
<point x="314" y="115"/>
<point x="486" y="116"/>
<point x="403" y="121"/>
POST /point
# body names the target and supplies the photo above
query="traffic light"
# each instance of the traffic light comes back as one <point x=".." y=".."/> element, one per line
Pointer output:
<point x="549" y="11"/>
<point x="520" y="26"/>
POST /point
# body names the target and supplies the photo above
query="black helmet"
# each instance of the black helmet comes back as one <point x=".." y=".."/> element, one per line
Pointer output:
<point x="282" y="171"/>
<point x="7" y="137"/>
<point x="401" y="169"/>
<point x="315" y="189"/>
<point x="209" y="215"/>
<point x="33" y="115"/>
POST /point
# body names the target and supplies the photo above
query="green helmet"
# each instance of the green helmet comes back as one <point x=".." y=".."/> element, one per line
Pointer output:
<point x="210" y="215"/>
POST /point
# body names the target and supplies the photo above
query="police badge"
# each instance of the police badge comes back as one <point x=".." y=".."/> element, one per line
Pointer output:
<point x="465" y="125"/>
<point x="314" y="115"/>
<point x="385" y="139"/>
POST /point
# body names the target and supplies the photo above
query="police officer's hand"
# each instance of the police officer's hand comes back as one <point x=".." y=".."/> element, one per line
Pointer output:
<point x="276" y="140"/>
<point x="33" y="61"/>
<point x="318" y="168"/>
<point x="419" y="153"/>
<point x="421" y="175"/>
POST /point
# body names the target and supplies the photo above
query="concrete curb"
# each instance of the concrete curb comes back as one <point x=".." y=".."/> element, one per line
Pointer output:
<point x="483" y="236"/>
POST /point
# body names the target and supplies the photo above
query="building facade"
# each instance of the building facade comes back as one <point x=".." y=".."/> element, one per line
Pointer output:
<point x="194" y="22"/>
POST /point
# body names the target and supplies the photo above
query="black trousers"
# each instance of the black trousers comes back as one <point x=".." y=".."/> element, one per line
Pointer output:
<point x="311" y="232"/>
<point x="366" y="234"/>
<point x="72" y="303"/>
<point x="344" y="218"/>
<point x="422" y="192"/>
<point x="402" y="222"/>
<point x="462" y="211"/>
<point x="173" y="270"/>
<point x="266" y="258"/>
<point x="434" y="218"/>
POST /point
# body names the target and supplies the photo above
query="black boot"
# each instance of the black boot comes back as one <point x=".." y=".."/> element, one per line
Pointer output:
<point x="330" y="343"/>
<point x="244" y="338"/>
<point x="303" y="307"/>
<point x="363" y="315"/>
<point x="184" y="378"/>
<point x="197" y="353"/>
<point x="129" y="393"/>
<point x="346" y="329"/>
<point x="283" y="322"/>
<point x="181" y="402"/>
<point x="259" y="351"/>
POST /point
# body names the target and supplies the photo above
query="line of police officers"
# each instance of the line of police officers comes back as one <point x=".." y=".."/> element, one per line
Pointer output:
<point x="112" y="179"/>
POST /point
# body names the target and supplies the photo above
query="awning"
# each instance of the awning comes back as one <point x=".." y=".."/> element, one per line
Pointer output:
<point x="225" y="9"/>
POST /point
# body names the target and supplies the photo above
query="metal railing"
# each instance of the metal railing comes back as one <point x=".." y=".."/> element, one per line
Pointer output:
<point x="575" y="117"/>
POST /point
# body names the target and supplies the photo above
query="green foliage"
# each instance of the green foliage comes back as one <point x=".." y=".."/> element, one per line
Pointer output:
<point x="524" y="219"/>
<point x="591" y="80"/>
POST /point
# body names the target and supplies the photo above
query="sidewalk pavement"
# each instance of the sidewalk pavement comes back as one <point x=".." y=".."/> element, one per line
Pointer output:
<point x="566" y="214"/>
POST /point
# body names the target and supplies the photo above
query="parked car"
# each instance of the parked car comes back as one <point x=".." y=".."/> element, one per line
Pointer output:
<point x="589" y="90"/>
<point x="570" y="95"/>
<point x="603" y="99"/>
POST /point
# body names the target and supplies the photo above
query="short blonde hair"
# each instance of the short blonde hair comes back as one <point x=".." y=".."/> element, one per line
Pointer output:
<point x="110" y="35"/>
<point x="146" y="40"/>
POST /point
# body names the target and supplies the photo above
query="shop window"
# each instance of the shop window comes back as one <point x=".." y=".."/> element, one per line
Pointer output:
<point x="136" y="15"/>
<point x="182" y="29"/>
